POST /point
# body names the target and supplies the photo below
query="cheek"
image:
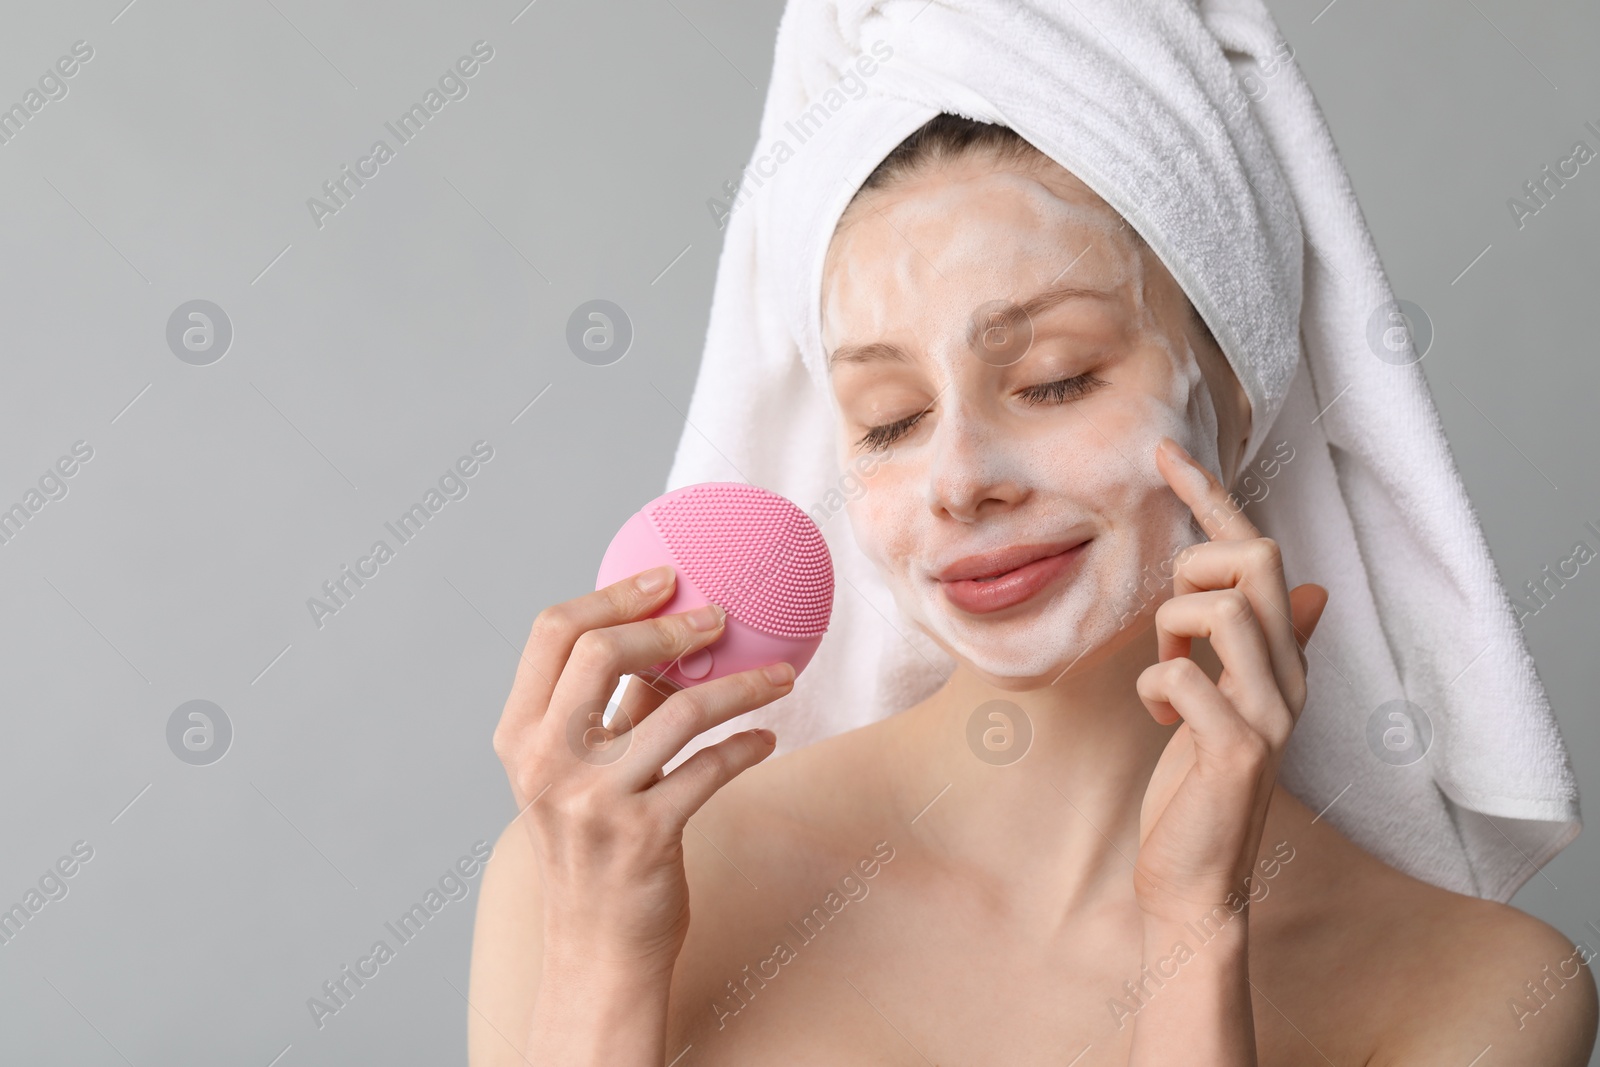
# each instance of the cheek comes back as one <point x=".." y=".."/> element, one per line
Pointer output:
<point x="1129" y="491"/>
<point x="1200" y="414"/>
<point x="1172" y="402"/>
<point x="887" y="516"/>
<point x="1156" y="524"/>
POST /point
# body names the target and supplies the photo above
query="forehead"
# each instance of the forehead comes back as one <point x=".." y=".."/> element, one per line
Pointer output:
<point x="967" y="230"/>
<point x="984" y="172"/>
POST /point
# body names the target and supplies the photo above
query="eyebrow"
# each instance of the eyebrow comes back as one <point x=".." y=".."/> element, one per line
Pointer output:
<point x="885" y="351"/>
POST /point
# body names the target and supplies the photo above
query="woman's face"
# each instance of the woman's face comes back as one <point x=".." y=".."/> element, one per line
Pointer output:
<point x="1011" y="354"/>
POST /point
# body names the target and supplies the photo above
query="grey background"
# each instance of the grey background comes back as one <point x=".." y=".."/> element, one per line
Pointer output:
<point x="369" y="354"/>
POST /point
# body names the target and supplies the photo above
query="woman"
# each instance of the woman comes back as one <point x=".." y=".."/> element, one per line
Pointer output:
<point x="1016" y="912"/>
<point x="1139" y="889"/>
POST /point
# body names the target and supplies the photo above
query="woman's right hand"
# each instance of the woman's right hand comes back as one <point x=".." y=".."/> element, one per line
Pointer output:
<point x="605" y="825"/>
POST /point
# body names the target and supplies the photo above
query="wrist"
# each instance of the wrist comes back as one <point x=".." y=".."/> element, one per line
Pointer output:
<point x="1215" y="902"/>
<point x="589" y="1012"/>
<point x="1200" y="926"/>
<point x="592" y="969"/>
<point x="587" y="949"/>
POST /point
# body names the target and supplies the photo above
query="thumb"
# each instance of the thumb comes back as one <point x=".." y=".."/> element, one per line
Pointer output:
<point x="1305" y="610"/>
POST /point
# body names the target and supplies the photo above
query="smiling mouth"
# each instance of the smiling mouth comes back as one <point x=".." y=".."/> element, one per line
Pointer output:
<point x="981" y="594"/>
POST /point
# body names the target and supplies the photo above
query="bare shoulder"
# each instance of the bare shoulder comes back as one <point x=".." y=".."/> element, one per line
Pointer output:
<point x="1367" y="964"/>
<point x="771" y="841"/>
<point x="1424" y="975"/>
<point x="813" y="790"/>
<point x="789" y="816"/>
<point x="1490" y="978"/>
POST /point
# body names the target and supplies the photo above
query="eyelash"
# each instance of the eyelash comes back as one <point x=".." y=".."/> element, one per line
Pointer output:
<point x="878" y="438"/>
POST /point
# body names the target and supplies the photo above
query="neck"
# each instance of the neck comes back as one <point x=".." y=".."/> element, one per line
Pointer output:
<point x="1064" y="816"/>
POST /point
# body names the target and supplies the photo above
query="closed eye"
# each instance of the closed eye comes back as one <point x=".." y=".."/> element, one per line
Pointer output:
<point x="878" y="438"/>
<point x="1059" y="392"/>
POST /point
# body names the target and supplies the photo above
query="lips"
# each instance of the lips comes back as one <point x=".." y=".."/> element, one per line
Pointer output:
<point x="991" y="564"/>
<point x="995" y="580"/>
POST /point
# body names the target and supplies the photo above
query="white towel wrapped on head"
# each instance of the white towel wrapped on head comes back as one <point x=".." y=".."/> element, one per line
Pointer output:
<point x="1244" y="199"/>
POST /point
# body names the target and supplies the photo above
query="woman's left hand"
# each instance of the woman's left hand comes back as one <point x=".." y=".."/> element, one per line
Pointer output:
<point x="1205" y="809"/>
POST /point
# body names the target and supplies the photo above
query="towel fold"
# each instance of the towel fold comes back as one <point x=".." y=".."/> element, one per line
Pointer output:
<point x="1427" y="737"/>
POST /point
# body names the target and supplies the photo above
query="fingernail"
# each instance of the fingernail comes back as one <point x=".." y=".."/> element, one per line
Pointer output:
<point x="655" y="579"/>
<point x="708" y="617"/>
<point x="1174" y="448"/>
<point x="765" y="734"/>
<point x="778" y="673"/>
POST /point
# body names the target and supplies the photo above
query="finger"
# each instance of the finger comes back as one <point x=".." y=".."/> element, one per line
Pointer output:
<point x="691" y="712"/>
<point x="1218" y="513"/>
<point x="1179" y="689"/>
<point x="1225" y="618"/>
<point x="1254" y="567"/>
<point x="1306" y="604"/>
<point x="641" y="693"/>
<point x="556" y="630"/>
<point x="645" y="693"/>
<point x="600" y="658"/>
<point x="693" y="781"/>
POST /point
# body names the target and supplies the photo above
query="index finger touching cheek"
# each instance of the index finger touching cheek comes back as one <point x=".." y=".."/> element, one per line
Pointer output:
<point x="1215" y="509"/>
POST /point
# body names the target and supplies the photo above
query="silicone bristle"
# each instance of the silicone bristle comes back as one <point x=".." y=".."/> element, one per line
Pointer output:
<point x="753" y="552"/>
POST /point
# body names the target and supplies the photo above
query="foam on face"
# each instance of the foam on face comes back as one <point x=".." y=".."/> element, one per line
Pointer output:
<point x="983" y="470"/>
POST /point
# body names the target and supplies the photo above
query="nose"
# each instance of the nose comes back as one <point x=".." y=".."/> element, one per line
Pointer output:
<point x="973" y="466"/>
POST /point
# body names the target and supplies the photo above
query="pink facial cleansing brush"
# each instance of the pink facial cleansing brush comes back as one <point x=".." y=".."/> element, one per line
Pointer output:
<point x="749" y="550"/>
